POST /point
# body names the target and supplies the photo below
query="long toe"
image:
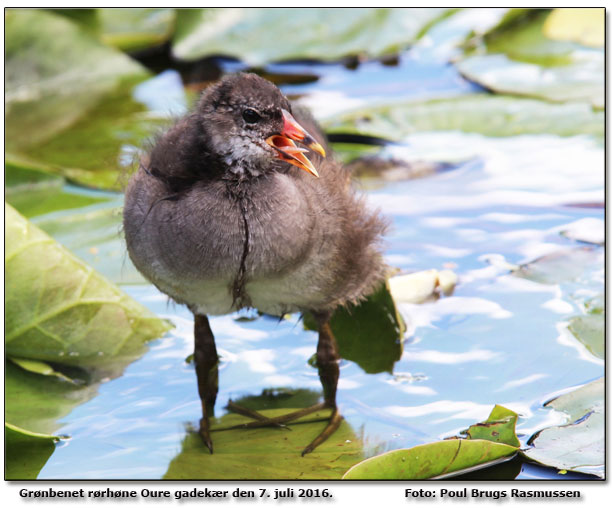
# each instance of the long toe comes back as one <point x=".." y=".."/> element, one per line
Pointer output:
<point x="264" y="421"/>
<point x="332" y="425"/>
<point x="205" y="434"/>
<point x="277" y="420"/>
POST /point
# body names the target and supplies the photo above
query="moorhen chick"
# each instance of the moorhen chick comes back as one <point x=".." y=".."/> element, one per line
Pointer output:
<point x="227" y="212"/>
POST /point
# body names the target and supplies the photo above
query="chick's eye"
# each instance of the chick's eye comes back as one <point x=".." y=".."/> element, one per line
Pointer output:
<point x="251" y="116"/>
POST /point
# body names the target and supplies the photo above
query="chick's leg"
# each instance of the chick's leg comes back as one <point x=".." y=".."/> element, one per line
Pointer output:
<point x="206" y="364"/>
<point x="329" y="373"/>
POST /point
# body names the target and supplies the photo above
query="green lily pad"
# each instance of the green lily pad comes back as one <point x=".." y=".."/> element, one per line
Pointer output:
<point x="587" y="230"/>
<point x="20" y="177"/>
<point x="561" y="266"/>
<point x="579" y="445"/>
<point x="56" y="71"/>
<point x="131" y="29"/>
<point x="277" y="398"/>
<point x="500" y="427"/>
<point x="87" y="18"/>
<point x="369" y="334"/>
<point x="590" y="330"/>
<point x="42" y="201"/>
<point x="581" y="401"/>
<point x="95" y="237"/>
<point x="60" y="310"/>
<point x="479" y="113"/>
<point x="581" y="81"/>
<point x="595" y="305"/>
<point x="258" y="36"/>
<point x="267" y="453"/>
<point x="33" y="192"/>
<point x="520" y="35"/>
<point x="520" y="59"/>
<point x="101" y="145"/>
<point x="36" y="402"/>
<point x="25" y="452"/>
<point x="431" y="460"/>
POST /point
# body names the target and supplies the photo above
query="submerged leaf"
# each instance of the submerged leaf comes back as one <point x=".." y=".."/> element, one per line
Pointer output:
<point x="33" y="192"/>
<point x="267" y="453"/>
<point x="25" y="452"/>
<point x="60" y="310"/>
<point x="431" y="460"/>
<point x="37" y="403"/>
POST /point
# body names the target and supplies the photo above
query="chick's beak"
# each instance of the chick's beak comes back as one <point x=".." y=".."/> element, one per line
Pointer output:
<point x="288" y="151"/>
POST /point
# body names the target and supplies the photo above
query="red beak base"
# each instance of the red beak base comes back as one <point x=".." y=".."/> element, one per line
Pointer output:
<point x="286" y="148"/>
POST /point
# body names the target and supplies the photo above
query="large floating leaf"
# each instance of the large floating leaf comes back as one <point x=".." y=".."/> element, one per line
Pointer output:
<point x="55" y="72"/>
<point x="267" y="453"/>
<point x="431" y="460"/>
<point x="520" y="59"/>
<point x="98" y="147"/>
<point x="95" y="237"/>
<point x="25" y="452"/>
<point x="33" y="192"/>
<point x="87" y="18"/>
<point x="520" y="35"/>
<point x="369" y="334"/>
<point x="258" y="36"/>
<point x="590" y="330"/>
<point x="587" y="230"/>
<point x="582" y="81"/>
<point x="36" y="402"/>
<point x="132" y="29"/>
<point x="580" y="444"/>
<point x="60" y="310"/>
<point x="19" y="176"/>
<point x="277" y="398"/>
<point x="488" y="443"/>
<point x="561" y="266"/>
<point x="480" y="113"/>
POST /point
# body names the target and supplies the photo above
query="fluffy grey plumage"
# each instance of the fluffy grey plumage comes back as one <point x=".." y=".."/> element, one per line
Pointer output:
<point x="217" y="221"/>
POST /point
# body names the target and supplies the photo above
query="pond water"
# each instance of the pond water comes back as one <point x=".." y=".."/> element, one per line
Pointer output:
<point x="498" y="339"/>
